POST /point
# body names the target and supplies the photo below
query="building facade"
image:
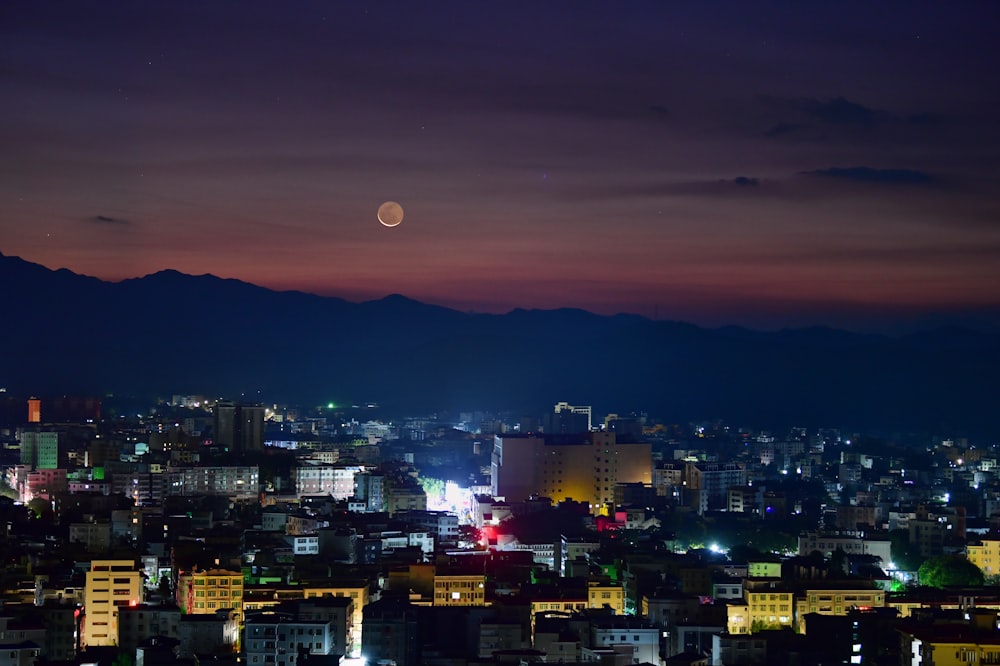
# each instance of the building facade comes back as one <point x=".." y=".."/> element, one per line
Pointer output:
<point x="110" y="585"/>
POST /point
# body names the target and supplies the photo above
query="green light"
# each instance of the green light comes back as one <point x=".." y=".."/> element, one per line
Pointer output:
<point x="330" y="405"/>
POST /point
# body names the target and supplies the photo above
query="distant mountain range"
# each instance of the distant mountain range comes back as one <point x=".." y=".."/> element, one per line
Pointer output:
<point x="166" y="333"/>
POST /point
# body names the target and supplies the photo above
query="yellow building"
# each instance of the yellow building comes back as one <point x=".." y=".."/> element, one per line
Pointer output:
<point x="954" y="645"/>
<point x="109" y="585"/>
<point x="459" y="590"/>
<point x="601" y="594"/>
<point x="762" y="609"/>
<point x="986" y="556"/>
<point x="835" y="602"/>
<point x="204" y="592"/>
<point x="584" y="467"/>
<point x="764" y="570"/>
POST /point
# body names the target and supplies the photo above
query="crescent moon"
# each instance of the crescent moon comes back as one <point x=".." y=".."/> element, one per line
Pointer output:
<point x="390" y="214"/>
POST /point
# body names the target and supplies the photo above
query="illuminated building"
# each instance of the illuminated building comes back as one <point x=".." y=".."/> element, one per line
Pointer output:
<point x="205" y="592"/>
<point x="34" y="410"/>
<point x="985" y="555"/>
<point x="278" y="635"/>
<point x="608" y="594"/>
<point x="268" y="597"/>
<point x="235" y="482"/>
<point x="584" y="467"/>
<point x="39" y="450"/>
<point x="762" y="608"/>
<point x="334" y="480"/>
<point x="952" y="645"/>
<point x="459" y="590"/>
<point x="110" y="584"/>
<point x="835" y="602"/>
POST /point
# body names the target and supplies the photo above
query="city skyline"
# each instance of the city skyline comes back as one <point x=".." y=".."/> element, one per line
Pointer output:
<point x="716" y="164"/>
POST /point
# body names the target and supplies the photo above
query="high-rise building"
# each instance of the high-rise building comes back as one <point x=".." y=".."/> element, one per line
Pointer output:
<point x="34" y="410"/>
<point x="239" y="428"/>
<point x="584" y="467"/>
<point x="39" y="450"/>
<point x="110" y="584"/>
<point x="568" y="419"/>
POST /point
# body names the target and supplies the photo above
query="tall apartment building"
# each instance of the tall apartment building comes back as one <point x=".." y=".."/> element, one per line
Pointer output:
<point x="584" y="466"/>
<point x="239" y="428"/>
<point x="369" y="487"/>
<point x="110" y="585"/>
<point x="39" y="450"/>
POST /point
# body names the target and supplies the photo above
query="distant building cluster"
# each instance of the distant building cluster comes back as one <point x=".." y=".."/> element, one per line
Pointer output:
<point x="268" y="535"/>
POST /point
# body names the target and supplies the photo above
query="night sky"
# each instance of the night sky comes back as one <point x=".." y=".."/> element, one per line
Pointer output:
<point x="765" y="164"/>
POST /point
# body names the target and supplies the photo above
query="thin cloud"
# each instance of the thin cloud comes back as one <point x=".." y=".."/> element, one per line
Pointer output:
<point x="839" y="118"/>
<point x="841" y="111"/>
<point x="106" y="219"/>
<point x="870" y="175"/>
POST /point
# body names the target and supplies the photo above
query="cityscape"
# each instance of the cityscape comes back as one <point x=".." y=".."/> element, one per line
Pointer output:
<point x="207" y="530"/>
<point x="386" y="333"/>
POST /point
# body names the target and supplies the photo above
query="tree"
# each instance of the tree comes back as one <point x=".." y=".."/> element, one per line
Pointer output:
<point x="948" y="571"/>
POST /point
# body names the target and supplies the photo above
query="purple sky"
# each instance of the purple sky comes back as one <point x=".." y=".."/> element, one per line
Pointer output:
<point x="763" y="163"/>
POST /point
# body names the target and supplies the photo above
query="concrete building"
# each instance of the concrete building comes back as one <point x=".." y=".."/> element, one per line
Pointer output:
<point x="206" y="634"/>
<point x="391" y="633"/>
<point x="206" y="592"/>
<point x="334" y="480"/>
<point x="95" y="536"/>
<point x="39" y="450"/>
<point x="634" y="637"/>
<point x="139" y="623"/>
<point x="985" y="555"/>
<point x="236" y="482"/>
<point x="852" y="543"/>
<point x="369" y="487"/>
<point x="110" y="585"/>
<point x="708" y="484"/>
<point x="459" y="589"/>
<point x="584" y="467"/>
<point x="237" y="427"/>
<point x="278" y="638"/>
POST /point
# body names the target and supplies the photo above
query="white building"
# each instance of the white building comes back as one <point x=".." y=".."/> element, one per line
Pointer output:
<point x="334" y="480"/>
<point x="850" y="543"/>
<point x="269" y="634"/>
<point x="632" y="636"/>
<point x="303" y="544"/>
<point x="236" y="482"/>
